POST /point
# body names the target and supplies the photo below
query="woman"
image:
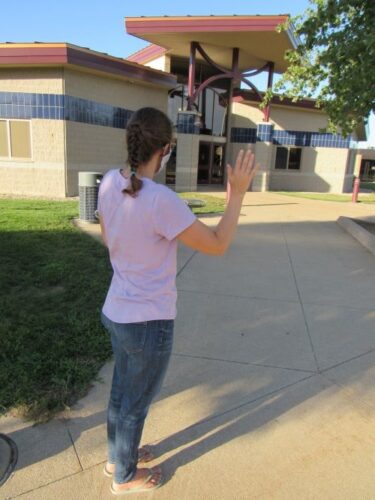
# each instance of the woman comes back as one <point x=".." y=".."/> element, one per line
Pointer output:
<point x="141" y="223"/>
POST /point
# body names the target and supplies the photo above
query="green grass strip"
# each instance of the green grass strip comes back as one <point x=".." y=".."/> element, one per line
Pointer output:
<point x="53" y="282"/>
<point x="213" y="205"/>
<point x="362" y="198"/>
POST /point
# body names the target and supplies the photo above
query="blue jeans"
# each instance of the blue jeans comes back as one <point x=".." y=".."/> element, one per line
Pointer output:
<point x="141" y="352"/>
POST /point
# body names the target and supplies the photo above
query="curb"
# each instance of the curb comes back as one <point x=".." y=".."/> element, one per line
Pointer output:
<point x="358" y="232"/>
<point x="9" y="457"/>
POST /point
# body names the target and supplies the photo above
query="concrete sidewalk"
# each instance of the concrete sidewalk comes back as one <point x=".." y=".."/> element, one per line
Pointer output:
<point x="271" y="389"/>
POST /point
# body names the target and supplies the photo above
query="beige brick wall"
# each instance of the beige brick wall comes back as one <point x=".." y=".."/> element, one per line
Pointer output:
<point x="44" y="174"/>
<point x="94" y="147"/>
<point x="322" y="170"/>
<point x="89" y="147"/>
<point x="261" y="151"/>
<point x="187" y="162"/>
<point x="36" y="179"/>
<point x="33" y="80"/>
<point x="114" y="91"/>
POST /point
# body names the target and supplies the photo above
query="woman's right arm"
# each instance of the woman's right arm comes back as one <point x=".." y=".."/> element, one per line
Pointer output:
<point x="215" y="241"/>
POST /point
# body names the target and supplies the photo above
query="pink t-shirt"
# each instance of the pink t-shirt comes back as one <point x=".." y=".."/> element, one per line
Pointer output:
<point x="141" y="234"/>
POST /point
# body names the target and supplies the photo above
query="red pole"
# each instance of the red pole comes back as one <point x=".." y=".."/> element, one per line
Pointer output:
<point x="356" y="187"/>
<point x="191" y="81"/>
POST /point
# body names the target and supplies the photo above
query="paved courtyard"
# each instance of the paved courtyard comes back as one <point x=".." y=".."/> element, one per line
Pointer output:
<point x="271" y="388"/>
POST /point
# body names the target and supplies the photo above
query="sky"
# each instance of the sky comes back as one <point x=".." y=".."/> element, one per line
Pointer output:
<point x="99" y="25"/>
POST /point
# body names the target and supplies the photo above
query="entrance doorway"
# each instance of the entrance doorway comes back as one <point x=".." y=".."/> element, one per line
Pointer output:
<point x="211" y="163"/>
<point x="367" y="172"/>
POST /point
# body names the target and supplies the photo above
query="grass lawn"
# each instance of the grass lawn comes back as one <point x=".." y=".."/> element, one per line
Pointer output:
<point x="53" y="282"/>
<point x="362" y="198"/>
<point x="213" y="203"/>
<point x="54" y="279"/>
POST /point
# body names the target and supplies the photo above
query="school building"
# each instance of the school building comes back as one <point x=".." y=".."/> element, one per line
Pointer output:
<point x="63" y="109"/>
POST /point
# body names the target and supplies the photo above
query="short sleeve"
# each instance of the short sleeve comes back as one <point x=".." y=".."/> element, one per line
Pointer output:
<point x="171" y="215"/>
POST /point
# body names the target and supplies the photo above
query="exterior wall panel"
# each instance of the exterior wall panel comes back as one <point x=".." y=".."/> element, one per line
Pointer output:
<point x="99" y="148"/>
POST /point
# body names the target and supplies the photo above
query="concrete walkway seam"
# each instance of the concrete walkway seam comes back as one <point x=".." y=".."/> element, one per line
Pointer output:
<point x="300" y="301"/>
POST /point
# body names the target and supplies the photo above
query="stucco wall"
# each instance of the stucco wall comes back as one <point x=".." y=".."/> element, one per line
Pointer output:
<point x="283" y="118"/>
<point x="295" y="119"/>
<point x="162" y="63"/>
<point x="35" y="80"/>
<point x="114" y="91"/>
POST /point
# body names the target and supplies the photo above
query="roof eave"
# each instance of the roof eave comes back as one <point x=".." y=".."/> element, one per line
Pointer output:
<point x="55" y="55"/>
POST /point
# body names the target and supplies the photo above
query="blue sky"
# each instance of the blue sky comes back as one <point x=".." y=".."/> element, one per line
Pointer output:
<point x="100" y="26"/>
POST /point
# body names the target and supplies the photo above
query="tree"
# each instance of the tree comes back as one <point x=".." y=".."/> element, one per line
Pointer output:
<point x="334" y="62"/>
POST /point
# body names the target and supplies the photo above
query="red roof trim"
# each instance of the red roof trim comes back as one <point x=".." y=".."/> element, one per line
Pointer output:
<point x="55" y="56"/>
<point x="150" y="52"/>
<point x="120" y="67"/>
<point x="31" y="55"/>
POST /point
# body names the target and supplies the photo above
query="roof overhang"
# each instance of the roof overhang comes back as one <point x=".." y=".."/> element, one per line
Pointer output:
<point x="249" y="97"/>
<point x="63" y="54"/>
<point x="256" y="37"/>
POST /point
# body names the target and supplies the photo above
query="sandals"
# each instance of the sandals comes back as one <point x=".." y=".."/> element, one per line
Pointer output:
<point x="144" y="456"/>
<point x="149" y="484"/>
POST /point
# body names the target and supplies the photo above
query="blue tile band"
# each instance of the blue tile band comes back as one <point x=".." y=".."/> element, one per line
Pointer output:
<point x="265" y="133"/>
<point x="312" y="139"/>
<point x="187" y="123"/>
<point x="61" y="107"/>
<point x="243" y="134"/>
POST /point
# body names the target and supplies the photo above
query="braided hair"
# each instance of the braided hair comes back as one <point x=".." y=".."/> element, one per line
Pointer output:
<point x="147" y="131"/>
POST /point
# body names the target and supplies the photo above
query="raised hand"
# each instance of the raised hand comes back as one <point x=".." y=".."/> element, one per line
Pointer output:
<point x="241" y="175"/>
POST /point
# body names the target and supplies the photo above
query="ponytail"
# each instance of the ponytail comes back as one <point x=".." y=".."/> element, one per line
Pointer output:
<point x="135" y="185"/>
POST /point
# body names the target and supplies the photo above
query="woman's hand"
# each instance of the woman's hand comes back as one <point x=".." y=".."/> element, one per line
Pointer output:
<point x="241" y="175"/>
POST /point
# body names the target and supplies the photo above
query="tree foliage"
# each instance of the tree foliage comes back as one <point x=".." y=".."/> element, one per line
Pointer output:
<point x="334" y="62"/>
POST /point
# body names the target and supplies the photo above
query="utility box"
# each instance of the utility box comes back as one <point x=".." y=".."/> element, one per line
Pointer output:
<point x="88" y="189"/>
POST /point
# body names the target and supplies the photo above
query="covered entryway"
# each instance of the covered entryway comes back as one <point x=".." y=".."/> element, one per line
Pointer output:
<point x="211" y="161"/>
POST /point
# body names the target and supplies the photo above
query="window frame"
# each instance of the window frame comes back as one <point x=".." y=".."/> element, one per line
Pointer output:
<point x="8" y="131"/>
<point x="288" y="147"/>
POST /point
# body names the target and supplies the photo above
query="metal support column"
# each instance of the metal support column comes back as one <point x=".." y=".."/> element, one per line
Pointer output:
<point x="191" y="82"/>
<point x="266" y="113"/>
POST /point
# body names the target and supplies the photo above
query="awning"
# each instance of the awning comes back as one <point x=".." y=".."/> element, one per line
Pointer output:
<point x="255" y="36"/>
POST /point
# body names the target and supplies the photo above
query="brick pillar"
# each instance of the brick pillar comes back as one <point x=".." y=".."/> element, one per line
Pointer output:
<point x="264" y="156"/>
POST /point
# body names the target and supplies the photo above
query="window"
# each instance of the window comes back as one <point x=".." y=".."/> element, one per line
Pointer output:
<point x="15" y="140"/>
<point x="288" y="158"/>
